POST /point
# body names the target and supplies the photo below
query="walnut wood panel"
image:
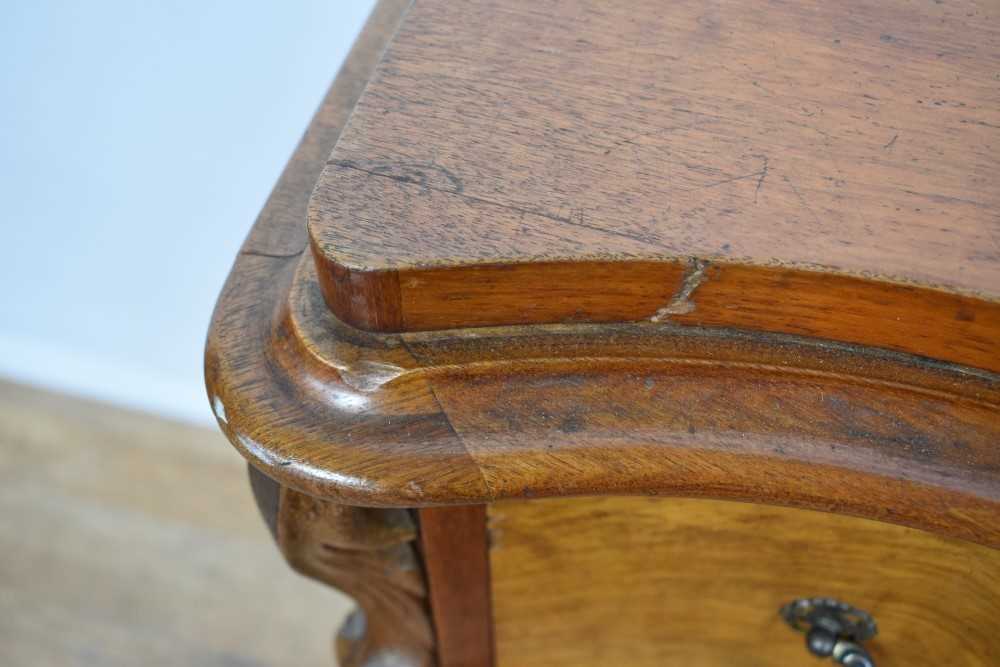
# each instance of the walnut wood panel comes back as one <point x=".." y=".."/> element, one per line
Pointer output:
<point x="638" y="581"/>
<point x="737" y="384"/>
<point x="371" y="555"/>
<point x="477" y="415"/>
<point x="470" y="416"/>
<point x="834" y="163"/>
<point x="454" y="549"/>
<point x="279" y="231"/>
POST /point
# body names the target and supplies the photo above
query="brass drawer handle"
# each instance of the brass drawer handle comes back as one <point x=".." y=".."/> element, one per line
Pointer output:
<point x="833" y="629"/>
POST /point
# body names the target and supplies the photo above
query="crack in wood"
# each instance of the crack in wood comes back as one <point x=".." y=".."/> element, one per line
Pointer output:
<point x="681" y="303"/>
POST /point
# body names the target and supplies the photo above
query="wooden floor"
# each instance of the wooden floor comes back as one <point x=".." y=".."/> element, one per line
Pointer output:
<point x="131" y="540"/>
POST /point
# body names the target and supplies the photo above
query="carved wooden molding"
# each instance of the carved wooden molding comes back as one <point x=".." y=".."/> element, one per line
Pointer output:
<point x="369" y="554"/>
<point x="657" y="407"/>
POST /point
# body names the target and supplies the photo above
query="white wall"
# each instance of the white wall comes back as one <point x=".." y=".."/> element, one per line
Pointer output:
<point x="138" y="140"/>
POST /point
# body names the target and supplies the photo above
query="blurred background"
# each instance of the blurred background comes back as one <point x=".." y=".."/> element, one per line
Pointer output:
<point x="139" y="140"/>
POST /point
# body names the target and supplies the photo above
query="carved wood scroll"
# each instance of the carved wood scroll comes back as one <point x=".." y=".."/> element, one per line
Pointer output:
<point x="369" y="554"/>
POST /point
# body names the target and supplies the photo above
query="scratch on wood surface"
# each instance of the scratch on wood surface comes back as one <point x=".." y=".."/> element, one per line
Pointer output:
<point x="576" y="217"/>
<point x="727" y="180"/>
<point x="681" y="303"/>
<point x="272" y="255"/>
<point x="802" y="200"/>
<point x="760" y="174"/>
<point x="760" y="181"/>
<point x="411" y="173"/>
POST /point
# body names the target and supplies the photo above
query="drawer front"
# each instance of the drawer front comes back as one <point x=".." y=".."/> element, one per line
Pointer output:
<point x="657" y="581"/>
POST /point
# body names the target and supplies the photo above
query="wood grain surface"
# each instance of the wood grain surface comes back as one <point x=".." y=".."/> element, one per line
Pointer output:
<point x="644" y="582"/>
<point x="864" y="384"/>
<point x="476" y="415"/>
<point x="470" y="416"/>
<point x="454" y="548"/>
<point x="835" y="165"/>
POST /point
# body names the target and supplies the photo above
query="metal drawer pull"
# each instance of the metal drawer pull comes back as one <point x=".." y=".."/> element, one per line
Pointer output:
<point x="833" y="629"/>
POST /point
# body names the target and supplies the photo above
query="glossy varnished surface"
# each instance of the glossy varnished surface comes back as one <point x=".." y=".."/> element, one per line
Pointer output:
<point x="835" y="164"/>
<point x="644" y="582"/>
<point x="476" y="415"/>
<point x="484" y="414"/>
<point x="706" y="352"/>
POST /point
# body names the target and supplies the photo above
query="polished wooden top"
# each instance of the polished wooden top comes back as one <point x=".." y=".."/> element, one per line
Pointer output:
<point x="566" y="161"/>
<point x="750" y="384"/>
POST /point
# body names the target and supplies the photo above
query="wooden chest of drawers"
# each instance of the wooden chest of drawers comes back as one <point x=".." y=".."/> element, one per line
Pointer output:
<point x="596" y="333"/>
